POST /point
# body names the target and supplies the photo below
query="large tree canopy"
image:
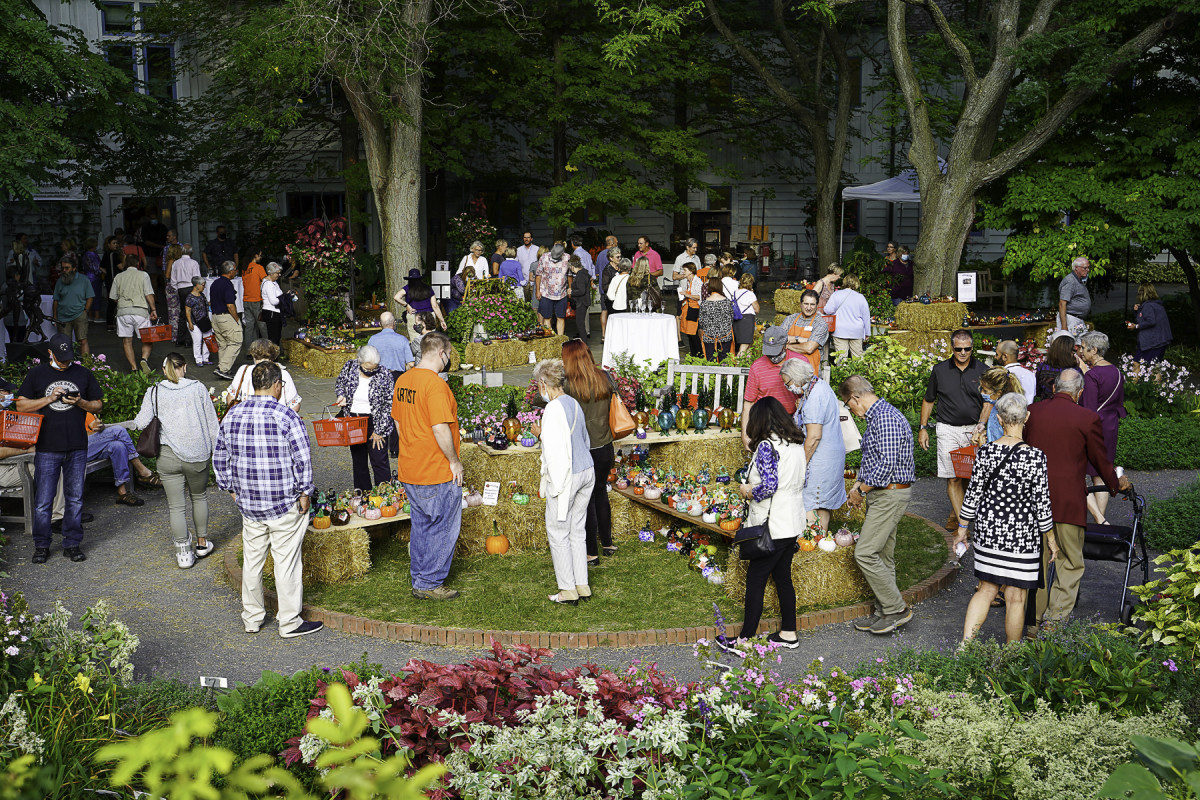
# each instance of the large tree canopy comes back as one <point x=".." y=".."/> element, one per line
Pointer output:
<point x="64" y="111"/>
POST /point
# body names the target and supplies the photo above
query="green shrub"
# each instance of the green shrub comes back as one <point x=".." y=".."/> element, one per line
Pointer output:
<point x="1046" y="753"/>
<point x="262" y="717"/>
<point x="1175" y="522"/>
<point x="123" y="391"/>
<point x="1159" y="443"/>
<point x="149" y="704"/>
<point x="1169" y="607"/>
<point x="1169" y="761"/>
<point x="897" y="374"/>
<point x="498" y="311"/>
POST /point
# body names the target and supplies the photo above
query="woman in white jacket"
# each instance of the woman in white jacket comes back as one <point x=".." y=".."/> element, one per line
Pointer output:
<point x="567" y="479"/>
<point x="774" y="488"/>
<point x="187" y="433"/>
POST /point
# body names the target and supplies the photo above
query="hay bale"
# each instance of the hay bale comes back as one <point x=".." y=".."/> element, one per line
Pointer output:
<point x="820" y="579"/>
<point x="930" y="341"/>
<point x="513" y="352"/>
<point x="846" y="515"/>
<point x="695" y="451"/>
<point x="932" y="317"/>
<point x="787" y="301"/>
<point x="332" y="555"/>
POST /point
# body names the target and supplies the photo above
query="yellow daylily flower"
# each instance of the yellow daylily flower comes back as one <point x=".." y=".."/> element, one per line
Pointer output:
<point x="37" y="679"/>
<point x="84" y="683"/>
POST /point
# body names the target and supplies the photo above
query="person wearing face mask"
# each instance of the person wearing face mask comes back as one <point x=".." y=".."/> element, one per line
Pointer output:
<point x="819" y="416"/>
<point x="426" y="417"/>
<point x="73" y="298"/>
<point x="364" y="389"/>
<point x="63" y="392"/>
<point x="263" y="459"/>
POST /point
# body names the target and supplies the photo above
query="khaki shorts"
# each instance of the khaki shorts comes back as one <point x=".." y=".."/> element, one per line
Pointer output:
<point x="128" y="325"/>
<point x="78" y="326"/>
<point x="950" y="437"/>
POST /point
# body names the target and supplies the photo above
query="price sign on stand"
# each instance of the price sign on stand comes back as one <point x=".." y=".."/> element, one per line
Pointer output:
<point x="491" y="493"/>
<point x="966" y="287"/>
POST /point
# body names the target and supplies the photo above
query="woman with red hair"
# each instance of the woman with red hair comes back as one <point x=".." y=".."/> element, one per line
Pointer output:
<point x="593" y="388"/>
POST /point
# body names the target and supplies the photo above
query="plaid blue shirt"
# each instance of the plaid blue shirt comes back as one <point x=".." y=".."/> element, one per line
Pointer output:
<point x="263" y="456"/>
<point x="887" y="447"/>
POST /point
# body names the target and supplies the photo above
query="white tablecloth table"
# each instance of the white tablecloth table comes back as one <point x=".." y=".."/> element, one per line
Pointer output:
<point x="646" y="337"/>
<point x="237" y="284"/>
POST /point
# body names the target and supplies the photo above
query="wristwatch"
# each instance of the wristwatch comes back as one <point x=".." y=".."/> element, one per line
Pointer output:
<point x="925" y="427"/>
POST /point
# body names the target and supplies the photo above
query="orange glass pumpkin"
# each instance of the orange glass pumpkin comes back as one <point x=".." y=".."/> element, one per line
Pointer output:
<point x="808" y="545"/>
<point x="321" y="522"/>
<point x="731" y="524"/>
<point x="639" y="490"/>
<point x="512" y="429"/>
<point x="389" y="510"/>
<point x="497" y="544"/>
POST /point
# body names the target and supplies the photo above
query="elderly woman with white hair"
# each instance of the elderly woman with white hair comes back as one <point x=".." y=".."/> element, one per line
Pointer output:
<point x="364" y="389"/>
<point x="1009" y="501"/>
<point x="475" y="260"/>
<point x="818" y="417"/>
<point x="568" y="475"/>
<point x="1104" y="393"/>
<point x="271" y="293"/>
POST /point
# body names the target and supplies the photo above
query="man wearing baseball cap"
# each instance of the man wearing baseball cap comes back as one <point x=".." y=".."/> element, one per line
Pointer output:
<point x="63" y="392"/>
<point x="764" y="377"/>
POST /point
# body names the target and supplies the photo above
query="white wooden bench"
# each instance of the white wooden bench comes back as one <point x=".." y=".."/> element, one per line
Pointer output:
<point x="677" y="378"/>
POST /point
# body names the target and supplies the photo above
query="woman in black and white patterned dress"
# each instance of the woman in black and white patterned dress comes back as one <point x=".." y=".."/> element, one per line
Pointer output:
<point x="1009" y="500"/>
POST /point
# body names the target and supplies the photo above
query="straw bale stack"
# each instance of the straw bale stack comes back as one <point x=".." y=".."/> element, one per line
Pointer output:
<point x="332" y="555"/>
<point x="923" y="317"/>
<point x="929" y="341"/>
<point x="512" y="352"/>
<point x="694" y="452"/>
<point x="787" y="301"/>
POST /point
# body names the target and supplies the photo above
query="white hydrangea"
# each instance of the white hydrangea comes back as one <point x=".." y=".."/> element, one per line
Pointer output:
<point x="14" y="729"/>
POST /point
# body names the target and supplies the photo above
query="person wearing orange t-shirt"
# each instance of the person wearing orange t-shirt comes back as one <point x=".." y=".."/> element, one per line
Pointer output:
<point x="426" y="417"/>
<point x="252" y="280"/>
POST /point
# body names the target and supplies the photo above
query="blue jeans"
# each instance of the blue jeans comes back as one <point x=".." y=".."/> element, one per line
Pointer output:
<point x="47" y="467"/>
<point x="115" y="444"/>
<point x="436" y="520"/>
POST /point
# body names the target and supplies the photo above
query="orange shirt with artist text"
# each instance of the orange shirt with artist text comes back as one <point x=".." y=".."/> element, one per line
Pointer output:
<point x="252" y="280"/>
<point x="422" y="400"/>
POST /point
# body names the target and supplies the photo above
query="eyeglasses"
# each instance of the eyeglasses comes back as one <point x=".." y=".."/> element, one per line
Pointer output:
<point x="963" y="349"/>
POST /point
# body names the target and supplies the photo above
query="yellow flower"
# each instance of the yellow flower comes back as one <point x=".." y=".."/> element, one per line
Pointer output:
<point x="84" y="683"/>
<point x="37" y="679"/>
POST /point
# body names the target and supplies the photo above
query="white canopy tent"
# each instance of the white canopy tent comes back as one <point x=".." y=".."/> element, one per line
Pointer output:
<point x="900" y="189"/>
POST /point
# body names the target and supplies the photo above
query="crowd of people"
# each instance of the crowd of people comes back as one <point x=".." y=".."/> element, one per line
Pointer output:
<point x="1043" y="436"/>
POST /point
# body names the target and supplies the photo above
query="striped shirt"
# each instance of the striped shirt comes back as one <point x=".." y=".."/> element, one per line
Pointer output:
<point x="887" y="447"/>
<point x="263" y="457"/>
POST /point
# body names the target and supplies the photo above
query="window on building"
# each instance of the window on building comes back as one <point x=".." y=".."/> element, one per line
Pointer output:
<point x="720" y="198"/>
<point x="129" y="48"/>
<point x="314" y="205"/>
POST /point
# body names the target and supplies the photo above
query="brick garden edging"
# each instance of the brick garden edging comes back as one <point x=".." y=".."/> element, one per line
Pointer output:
<point x="471" y="637"/>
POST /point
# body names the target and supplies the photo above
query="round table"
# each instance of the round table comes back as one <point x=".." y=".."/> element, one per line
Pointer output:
<point x="646" y="337"/>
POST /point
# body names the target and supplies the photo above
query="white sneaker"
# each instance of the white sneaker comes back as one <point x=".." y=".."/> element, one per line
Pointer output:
<point x="184" y="556"/>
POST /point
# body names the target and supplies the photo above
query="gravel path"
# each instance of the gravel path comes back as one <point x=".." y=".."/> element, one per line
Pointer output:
<point x="189" y="620"/>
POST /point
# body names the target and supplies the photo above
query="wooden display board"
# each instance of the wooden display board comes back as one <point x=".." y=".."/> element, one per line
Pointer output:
<point x="657" y="505"/>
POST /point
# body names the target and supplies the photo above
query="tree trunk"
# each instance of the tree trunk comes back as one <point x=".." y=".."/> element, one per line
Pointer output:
<point x="947" y="214"/>
<point x="827" y="218"/>
<point x="1189" y="272"/>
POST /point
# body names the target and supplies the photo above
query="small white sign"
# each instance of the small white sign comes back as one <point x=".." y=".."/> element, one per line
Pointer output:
<point x="494" y="380"/>
<point x="491" y="493"/>
<point x="441" y="265"/>
<point x="473" y="378"/>
<point x="966" y="287"/>
<point x="215" y="683"/>
<point x="441" y="277"/>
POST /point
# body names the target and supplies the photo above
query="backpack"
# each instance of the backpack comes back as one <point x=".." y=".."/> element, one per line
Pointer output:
<point x="737" y="311"/>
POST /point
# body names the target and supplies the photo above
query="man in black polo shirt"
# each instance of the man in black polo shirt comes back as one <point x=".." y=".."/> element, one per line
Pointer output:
<point x="961" y="411"/>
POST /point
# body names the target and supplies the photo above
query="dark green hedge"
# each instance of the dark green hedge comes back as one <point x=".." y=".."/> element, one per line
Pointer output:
<point x="1174" y="523"/>
<point x="1159" y="443"/>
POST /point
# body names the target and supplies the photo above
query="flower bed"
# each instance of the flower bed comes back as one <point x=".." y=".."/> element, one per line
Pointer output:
<point x="499" y="314"/>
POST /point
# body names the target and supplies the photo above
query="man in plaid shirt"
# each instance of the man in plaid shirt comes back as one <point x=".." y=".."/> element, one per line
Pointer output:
<point x="263" y="460"/>
<point x="884" y="484"/>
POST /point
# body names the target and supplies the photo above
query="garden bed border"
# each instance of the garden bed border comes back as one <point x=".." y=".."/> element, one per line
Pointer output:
<point x="480" y="639"/>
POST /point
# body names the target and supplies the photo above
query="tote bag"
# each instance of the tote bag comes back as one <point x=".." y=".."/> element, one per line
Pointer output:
<point x="150" y="440"/>
<point x="619" y="419"/>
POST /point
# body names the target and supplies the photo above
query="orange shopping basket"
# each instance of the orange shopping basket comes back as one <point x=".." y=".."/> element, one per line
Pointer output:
<point x="830" y="321"/>
<point x="964" y="461"/>
<point x="18" y="429"/>
<point x="210" y="342"/>
<point x="155" y="333"/>
<point x="340" y="431"/>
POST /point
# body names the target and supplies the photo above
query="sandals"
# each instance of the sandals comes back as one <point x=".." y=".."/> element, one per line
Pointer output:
<point x="129" y="499"/>
<point x="153" y="482"/>
<point x="594" y="562"/>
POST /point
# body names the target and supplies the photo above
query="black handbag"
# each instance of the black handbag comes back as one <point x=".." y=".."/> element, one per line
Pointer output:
<point x="149" y="442"/>
<point x="755" y="540"/>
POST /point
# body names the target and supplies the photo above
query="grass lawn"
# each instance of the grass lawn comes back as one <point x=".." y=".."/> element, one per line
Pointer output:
<point x="642" y="587"/>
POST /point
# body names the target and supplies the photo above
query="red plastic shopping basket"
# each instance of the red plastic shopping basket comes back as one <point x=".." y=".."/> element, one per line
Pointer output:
<point x="155" y="333"/>
<point x="964" y="461"/>
<point x="18" y="429"/>
<point x="831" y="321"/>
<point x="340" y="431"/>
<point x="210" y="342"/>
